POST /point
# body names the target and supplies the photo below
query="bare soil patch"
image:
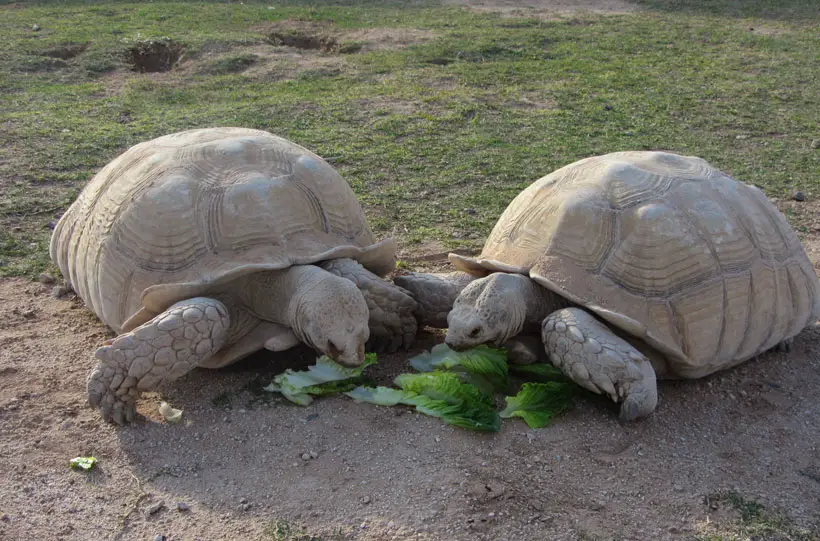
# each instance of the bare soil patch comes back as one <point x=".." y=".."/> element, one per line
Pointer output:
<point x="154" y="55"/>
<point x="386" y="473"/>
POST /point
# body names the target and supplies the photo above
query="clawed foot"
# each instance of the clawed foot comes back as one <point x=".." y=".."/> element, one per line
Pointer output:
<point x="161" y="350"/>
<point x="112" y="391"/>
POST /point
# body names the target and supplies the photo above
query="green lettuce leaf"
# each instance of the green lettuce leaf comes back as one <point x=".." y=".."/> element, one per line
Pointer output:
<point x="538" y="403"/>
<point x="542" y="372"/>
<point x="445" y="386"/>
<point x="382" y="396"/>
<point x="438" y="394"/>
<point x="325" y="377"/>
<point x="483" y="366"/>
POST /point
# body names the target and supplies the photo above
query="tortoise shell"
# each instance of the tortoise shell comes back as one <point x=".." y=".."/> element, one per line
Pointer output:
<point x="700" y="266"/>
<point x="172" y="217"/>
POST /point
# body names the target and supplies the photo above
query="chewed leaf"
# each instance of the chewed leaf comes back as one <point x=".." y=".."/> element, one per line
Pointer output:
<point x="538" y="403"/>
<point x="84" y="463"/>
<point x="172" y="415"/>
<point x="325" y="377"/>
<point x="382" y="396"/>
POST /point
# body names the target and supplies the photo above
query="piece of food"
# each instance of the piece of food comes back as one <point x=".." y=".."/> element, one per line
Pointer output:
<point x="538" y="403"/>
<point x="482" y="366"/>
<point x="323" y="378"/>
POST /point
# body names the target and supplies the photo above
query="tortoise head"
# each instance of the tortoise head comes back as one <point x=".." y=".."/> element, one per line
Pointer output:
<point x="333" y="318"/>
<point x="488" y="311"/>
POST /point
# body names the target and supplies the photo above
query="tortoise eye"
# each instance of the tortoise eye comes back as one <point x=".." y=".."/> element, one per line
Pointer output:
<point x="475" y="332"/>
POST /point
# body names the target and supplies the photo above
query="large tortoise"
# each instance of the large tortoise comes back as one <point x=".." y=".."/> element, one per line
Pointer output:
<point x="201" y="247"/>
<point x="632" y="265"/>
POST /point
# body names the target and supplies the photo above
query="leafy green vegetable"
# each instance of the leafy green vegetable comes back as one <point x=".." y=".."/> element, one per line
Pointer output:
<point x="474" y="415"/>
<point x="543" y="372"/>
<point x="483" y="366"/>
<point x="538" y="403"/>
<point x="325" y="377"/>
<point x="84" y="463"/>
<point x="445" y="386"/>
<point x="381" y="396"/>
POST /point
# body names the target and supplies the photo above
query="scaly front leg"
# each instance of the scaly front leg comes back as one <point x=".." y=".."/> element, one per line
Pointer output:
<point x="599" y="360"/>
<point x="161" y="350"/>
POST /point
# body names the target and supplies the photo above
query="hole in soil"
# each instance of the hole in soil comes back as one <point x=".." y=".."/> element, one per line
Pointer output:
<point x="65" y="51"/>
<point x="302" y="40"/>
<point x="154" y="55"/>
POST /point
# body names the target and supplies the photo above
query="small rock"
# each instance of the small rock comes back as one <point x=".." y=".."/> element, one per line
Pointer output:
<point x="52" y="224"/>
<point x="156" y="507"/>
<point x="46" y="278"/>
<point x="314" y="455"/>
<point x="59" y="292"/>
<point x="243" y="501"/>
<point x="182" y="507"/>
<point x="245" y="507"/>
<point x="305" y="456"/>
<point x="35" y="27"/>
<point x="741" y="137"/>
<point x="159" y="537"/>
<point x="471" y="212"/>
<point x="365" y="500"/>
<point x="815" y="143"/>
<point x="799" y="196"/>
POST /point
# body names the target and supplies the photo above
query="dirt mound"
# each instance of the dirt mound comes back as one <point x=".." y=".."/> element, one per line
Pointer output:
<point x="151" y="56"/>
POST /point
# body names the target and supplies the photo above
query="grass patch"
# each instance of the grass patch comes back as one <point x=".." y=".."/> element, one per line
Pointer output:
<point x="754" y="522"/>
<point x="281" y="530"/>
<point x="435" y="136"/>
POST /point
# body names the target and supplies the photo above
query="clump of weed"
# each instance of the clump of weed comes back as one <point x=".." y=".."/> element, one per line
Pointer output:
<point x="755" y="522"/>
<point x="230" y="64"/>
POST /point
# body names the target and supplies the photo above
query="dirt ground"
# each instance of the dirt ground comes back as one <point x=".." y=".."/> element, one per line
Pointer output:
<point x="234" y="469"/>
<point x="385" y="473"/>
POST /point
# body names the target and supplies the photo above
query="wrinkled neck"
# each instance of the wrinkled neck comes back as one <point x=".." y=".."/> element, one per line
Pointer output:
<point x="539" y="302"/>
<point x="281" y="296"/>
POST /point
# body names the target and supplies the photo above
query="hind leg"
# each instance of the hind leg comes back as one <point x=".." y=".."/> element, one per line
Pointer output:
<point x="161" y="350"/>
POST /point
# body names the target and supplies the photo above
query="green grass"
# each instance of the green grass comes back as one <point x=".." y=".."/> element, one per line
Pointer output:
<point x="754" y="522"/>
<point x="435" y="138"/>
<point x="280" y="530"/>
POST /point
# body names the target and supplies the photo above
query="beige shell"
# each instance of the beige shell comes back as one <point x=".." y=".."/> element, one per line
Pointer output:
<point x="171" y="217"/>
<point x="700" y="266"/>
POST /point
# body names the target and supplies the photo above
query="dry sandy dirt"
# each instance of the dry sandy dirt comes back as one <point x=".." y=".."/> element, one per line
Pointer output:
<point x="387" y="473"/>
<point x="384" y="473"/>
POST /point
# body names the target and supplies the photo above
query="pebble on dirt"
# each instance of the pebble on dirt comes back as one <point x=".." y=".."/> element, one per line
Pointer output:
<point x="46" y="278"/>
<point x="59" y="291"/>
<point x="182" y="507"/>
<point x="153" y="509"/>
<point x="799" y="196"/>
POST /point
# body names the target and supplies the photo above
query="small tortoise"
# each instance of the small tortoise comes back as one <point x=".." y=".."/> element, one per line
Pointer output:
<point x="632" y="265"/>
<point x="201" y="247"/>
